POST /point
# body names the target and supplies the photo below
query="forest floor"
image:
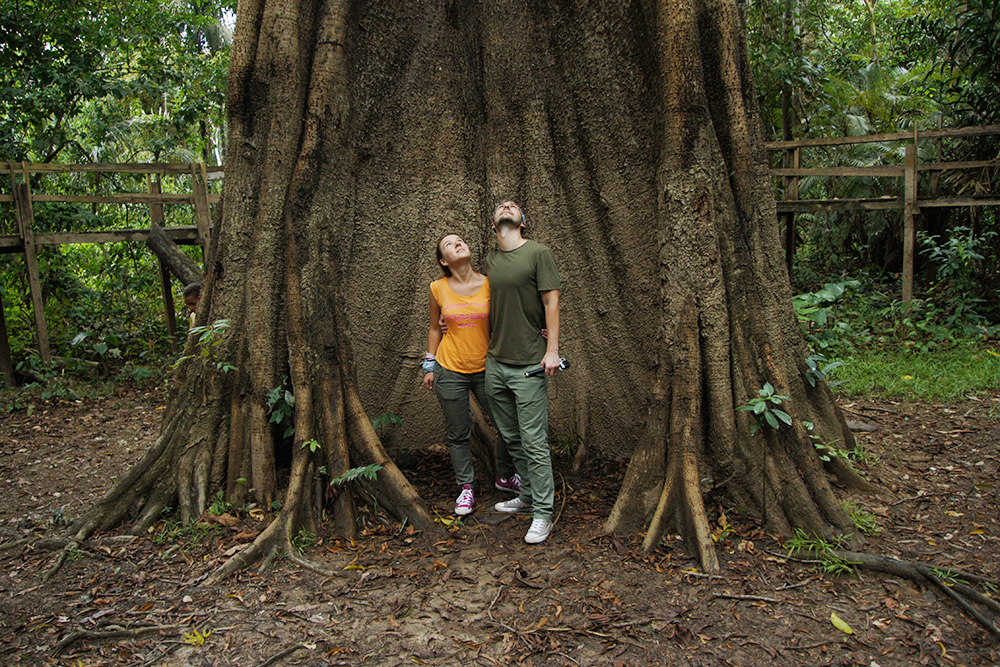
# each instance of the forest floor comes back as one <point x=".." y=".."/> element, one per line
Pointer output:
<point x="481" y="595"/>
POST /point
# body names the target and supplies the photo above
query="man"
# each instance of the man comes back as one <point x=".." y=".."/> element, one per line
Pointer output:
<point x="191" y="294"/>
<point x="524" y="299"/>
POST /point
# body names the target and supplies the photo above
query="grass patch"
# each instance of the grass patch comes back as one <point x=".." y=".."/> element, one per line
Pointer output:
<point x="904" y="373"/>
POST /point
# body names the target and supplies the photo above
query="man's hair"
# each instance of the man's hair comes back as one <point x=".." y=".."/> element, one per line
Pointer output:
<point x="194" y="289"/>
<point x="437" y="251"/>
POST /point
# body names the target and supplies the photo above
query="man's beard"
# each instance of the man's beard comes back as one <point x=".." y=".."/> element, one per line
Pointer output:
<point x="507" y="222"/>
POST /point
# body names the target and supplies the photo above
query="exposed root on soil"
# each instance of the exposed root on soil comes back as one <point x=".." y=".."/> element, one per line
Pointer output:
<point x="74" y="637"/>
<point x="953" y="584"/>
<point x="182" y="468"/>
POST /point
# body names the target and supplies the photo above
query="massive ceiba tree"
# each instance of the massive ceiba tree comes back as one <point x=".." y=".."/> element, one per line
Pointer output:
<point x="359" y="132"/>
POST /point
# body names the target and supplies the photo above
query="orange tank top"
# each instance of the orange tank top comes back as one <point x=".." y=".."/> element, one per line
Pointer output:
<point x="463" y="348"/>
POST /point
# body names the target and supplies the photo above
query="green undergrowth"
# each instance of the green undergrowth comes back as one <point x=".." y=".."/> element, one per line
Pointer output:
<point x="906" y="374"/>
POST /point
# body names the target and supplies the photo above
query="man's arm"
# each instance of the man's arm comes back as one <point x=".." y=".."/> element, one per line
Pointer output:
<point x="550" y="300"/>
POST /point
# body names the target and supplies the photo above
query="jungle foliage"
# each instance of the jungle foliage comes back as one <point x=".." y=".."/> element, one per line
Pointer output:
<point x="104" y="82"/>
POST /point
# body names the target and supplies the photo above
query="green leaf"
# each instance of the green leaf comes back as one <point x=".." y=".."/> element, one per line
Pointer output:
<point x="771" y="419"/>
<point x="783" y="416"/>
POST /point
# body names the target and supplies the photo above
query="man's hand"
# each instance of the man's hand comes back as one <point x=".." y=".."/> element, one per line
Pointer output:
<point x="429" y="381"/>
<point x="550" y="362"/>
<point x="442" y="325"/>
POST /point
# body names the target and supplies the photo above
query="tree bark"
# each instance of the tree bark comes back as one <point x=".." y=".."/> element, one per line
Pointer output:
<point x="360" y="132"/>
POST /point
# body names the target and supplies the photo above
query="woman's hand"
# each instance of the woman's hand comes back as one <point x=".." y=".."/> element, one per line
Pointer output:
<point x="429" y="381"/>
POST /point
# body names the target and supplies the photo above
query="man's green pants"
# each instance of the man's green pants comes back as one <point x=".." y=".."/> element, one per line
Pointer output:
<point x="521" y="413"/>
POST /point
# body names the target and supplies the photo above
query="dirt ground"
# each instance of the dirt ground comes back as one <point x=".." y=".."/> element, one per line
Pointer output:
<point x="482" y="596"/>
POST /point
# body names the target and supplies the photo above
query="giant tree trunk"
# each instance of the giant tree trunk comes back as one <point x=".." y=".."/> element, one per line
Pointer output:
<point x="360" y="132"/>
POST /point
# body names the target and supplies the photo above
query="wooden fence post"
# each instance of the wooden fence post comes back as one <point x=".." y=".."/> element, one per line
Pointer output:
<point x="6" y="361"/>
<point x="26" y="227"/>
<point x="910" y="212"/>
<point x="157" y="217"/>
<point x="792" y="160"/>
<point x="202" y="208"/>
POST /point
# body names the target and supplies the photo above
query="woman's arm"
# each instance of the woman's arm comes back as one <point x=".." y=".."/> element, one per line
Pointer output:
<point x="433" y="337"/>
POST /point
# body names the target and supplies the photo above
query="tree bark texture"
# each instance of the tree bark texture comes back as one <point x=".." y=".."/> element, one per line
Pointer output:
<point x="361" y="132"/>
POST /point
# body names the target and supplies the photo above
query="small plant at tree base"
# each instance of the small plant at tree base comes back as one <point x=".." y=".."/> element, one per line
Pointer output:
<point x="814" y="373"/>
<point x="369" y="472"/>
<point x="829" y="562"/>
<point x="303" y="540"/>
<point x="565" y="445"/>
<point x="281" y="405"/>
<point x="219" y="504"/>
<point x="209" y="338"/>
<point x="313" y="445"/>
<point x="860" y="454"/>
<point x="387" y="418"/>
<point x="763" y="407"/>
<point x="826" y="450"/>
<point x="862" y="519"/>
<point x="724" y="529"/>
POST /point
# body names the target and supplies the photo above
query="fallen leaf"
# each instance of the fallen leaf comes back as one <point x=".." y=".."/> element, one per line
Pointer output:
<point x="840" y="624"/>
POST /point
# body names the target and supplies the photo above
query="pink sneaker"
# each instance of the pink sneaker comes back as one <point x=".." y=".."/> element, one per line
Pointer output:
<point x="466" y="499"/>
<point x="512" y="485"/>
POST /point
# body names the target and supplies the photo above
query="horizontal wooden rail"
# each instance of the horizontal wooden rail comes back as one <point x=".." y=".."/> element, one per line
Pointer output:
<point x="179" y="169"/>
<point x="948" y="166"/>
<point x="879" y="204"/>
<point x="947" y="202"/>
<point x="181" y="234"/>
<point x="122" y="198"/>
<point x="883" y="170"/>
<point x="952" y="133"/>
<point x="875" y="204"/>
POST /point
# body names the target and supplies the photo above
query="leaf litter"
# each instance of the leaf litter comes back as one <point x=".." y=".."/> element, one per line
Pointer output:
<point x="482" y="596"/>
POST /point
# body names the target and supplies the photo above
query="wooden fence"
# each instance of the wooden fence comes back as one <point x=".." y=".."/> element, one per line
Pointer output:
<point x="26" y="241"/>
<point x="911" y="201"/>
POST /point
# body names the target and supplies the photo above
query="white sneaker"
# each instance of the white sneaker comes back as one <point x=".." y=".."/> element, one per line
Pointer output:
<point x="539" y="531"/>
<point x="465" y="501"/>
<point x="512" y="505"/>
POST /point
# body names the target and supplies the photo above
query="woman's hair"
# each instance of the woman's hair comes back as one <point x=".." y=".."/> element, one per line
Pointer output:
<point x="437" y="251"/>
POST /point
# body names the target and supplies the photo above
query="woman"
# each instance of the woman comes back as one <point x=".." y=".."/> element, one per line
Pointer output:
<point x="455" y="363"/>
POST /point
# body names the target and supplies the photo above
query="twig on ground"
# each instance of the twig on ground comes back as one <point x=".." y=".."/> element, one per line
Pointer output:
<point x="274" y="659"/>
<point x="108" y="634"/>
<point x="918" y="497"/>
<point x="16" y="543"/>
<point x="756" y="598"/>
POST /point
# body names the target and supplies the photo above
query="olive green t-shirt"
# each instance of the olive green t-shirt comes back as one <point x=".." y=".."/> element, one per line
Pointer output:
<point x="517" y="315"/>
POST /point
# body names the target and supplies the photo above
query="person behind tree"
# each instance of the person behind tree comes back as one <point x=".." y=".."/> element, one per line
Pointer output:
<point x="455" y="362"/>
<point x="191" y="295"/>
<point x="524" y="283"/>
